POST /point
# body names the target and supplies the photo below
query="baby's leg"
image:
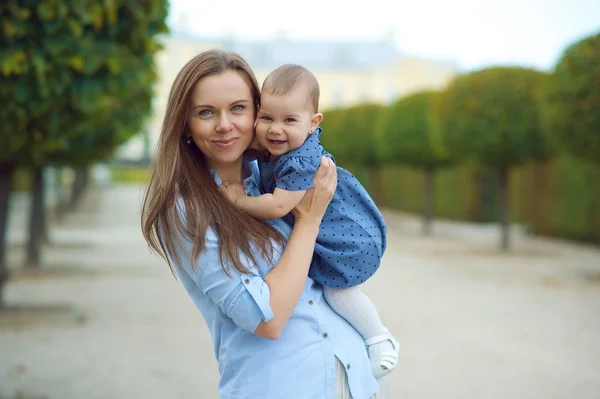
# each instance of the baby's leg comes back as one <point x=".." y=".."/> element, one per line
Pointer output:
<point x="359" y="311"/>
<point x="356" y="308"/>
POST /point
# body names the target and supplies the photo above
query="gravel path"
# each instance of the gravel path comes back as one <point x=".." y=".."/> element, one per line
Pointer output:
<point x="473" y="323"/>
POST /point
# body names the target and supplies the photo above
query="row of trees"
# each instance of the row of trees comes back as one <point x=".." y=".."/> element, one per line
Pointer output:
<point x="76" y="81"/>
<point x="498" y="118"/>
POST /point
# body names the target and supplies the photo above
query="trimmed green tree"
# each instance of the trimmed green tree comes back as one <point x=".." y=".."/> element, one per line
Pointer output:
<point x="406" y="137"/>
<point x="332" y="138"/>
<point x="571" y="111"/>
<point x="357" y="143"/>
<point x="63" y="66"/>
<point x="571" y="100"/>
<point x="492" y="117"/>
<point x="128" y="115"/>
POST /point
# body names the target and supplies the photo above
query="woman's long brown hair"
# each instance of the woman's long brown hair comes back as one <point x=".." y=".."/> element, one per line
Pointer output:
<point x="182" y="199"/>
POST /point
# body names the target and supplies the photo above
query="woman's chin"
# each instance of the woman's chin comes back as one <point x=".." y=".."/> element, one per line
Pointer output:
<point x="229" y="155"/>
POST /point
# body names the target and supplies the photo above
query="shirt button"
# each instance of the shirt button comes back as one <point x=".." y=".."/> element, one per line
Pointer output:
<point x="325" y="335"/>
<point x="348" y="366"/>
<point x="310" y="302"/>
<point x="247" y="281"/>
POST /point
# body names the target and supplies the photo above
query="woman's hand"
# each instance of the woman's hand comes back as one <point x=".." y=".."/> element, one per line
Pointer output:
<point x="314" y="203"/>
<point x="233" y="190"/>
<point x="287" y="279"/>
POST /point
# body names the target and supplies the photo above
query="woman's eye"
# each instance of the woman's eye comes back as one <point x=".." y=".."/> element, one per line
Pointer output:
<point x="238" y="107"/>
<point x="205" y="112"/>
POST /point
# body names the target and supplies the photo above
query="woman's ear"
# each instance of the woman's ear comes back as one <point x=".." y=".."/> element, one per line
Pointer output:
<point x="316" y="119"/>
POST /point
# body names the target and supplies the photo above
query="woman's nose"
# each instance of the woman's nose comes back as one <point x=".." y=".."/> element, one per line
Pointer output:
<point x="224" y="124"/>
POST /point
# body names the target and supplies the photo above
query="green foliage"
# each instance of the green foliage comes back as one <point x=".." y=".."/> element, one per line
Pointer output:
<point x="571" y="102"/>
<point x="555" y="198"/>
<point x="492" y="117"/>
<point x="454" y="184"/>
<point x="356" y="135"/>
<point x="332" y="137"/>
<point x="129" y="174"/>
<point x="69" y="70"/>
<point x="126" y="118"/>
<point x="406" y="135"/>
<point x="21" y="180"/>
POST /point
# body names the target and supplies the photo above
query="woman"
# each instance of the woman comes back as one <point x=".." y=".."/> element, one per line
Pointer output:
<point x="273" y="333"/>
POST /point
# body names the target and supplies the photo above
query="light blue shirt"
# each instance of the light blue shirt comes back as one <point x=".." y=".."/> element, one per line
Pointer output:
<point x="298" y="365"/>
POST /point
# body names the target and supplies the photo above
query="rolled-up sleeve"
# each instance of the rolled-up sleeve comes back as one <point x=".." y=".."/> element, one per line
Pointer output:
<point x="252" y="305"/>
<point x="243" y="297"/>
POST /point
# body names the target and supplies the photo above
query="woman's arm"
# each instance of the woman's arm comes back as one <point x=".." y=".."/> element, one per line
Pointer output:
<point x="259" y="304"/>
<point x="287" y="279"/>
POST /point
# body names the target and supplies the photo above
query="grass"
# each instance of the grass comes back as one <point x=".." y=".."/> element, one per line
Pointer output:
<point x="129" y="174"/>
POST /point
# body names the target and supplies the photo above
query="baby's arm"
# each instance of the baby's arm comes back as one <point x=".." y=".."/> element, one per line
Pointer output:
<point x="266" y="206"/>
<point x="270" y="206"/>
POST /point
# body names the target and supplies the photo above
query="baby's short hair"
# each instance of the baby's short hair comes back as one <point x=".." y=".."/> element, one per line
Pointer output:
<point x="288" y="77"/>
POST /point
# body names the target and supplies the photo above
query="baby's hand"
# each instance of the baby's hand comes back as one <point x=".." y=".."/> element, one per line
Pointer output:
<point x="233" y="190"/>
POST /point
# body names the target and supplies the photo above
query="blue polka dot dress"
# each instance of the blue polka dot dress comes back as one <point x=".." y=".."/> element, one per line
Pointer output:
<point x="352" y="236"/>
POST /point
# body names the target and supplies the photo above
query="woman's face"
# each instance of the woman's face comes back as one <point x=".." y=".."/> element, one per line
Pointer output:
<point x="221" y="119"/>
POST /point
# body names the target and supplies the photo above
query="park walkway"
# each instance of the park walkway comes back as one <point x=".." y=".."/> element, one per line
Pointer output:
<point x="473" y="323"/>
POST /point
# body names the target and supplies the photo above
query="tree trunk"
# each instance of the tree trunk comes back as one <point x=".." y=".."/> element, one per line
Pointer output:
<point x="76" y="188"/>
<point x="592" y="210"/>
<point x="37" y="219"/>
<point x="489" y="205"/>
<point x="86" y="177"/>
<point x="428" y="200"/>
<point x="62" y="203"/>
<point x="504" y="208"/>
<point x="6" y="171"/>
<point x="376" y="184"/>
<point x="80" y="184"/>
<point x="476" y="205"/>
<point x="45" y="235"/>
<point x="540" y="197"/>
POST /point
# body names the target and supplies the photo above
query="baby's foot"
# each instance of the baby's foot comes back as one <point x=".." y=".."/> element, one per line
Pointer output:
<point x="383" y="352"/>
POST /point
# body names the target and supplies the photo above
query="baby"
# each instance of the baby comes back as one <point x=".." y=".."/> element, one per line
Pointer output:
<point x="352" y="236"/>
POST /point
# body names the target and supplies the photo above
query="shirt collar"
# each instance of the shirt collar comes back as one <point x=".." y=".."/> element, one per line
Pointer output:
<point x="246" y="172"/>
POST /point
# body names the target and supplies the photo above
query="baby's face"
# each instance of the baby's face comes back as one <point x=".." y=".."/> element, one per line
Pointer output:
<point x="284" y="122"/>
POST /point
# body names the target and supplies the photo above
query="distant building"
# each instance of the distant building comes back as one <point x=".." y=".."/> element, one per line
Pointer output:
<point x="349" y="72"/>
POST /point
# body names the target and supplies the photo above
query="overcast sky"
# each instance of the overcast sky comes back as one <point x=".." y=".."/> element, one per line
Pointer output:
<point x="470" y="33"/>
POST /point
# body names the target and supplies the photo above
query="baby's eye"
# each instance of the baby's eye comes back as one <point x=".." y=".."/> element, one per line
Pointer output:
<point x="265" y="118"/>
<point x="290" y="120"/>
<point x="238" y="107"/>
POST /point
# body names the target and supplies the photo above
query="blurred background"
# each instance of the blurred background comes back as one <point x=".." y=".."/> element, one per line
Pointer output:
<point x="474" y="125"/>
